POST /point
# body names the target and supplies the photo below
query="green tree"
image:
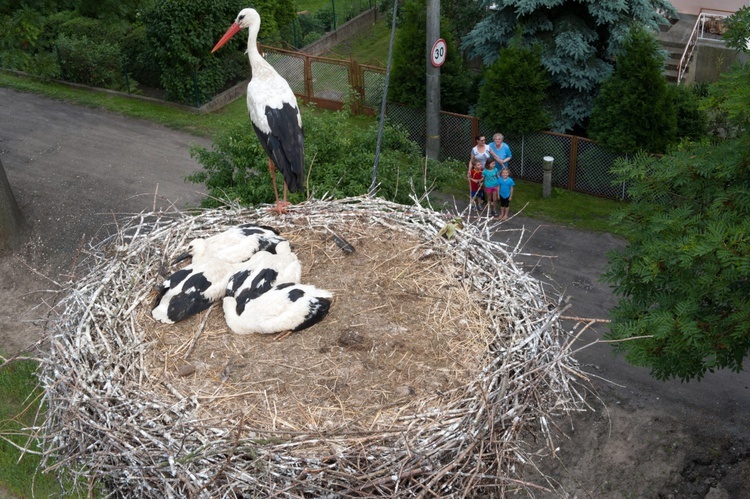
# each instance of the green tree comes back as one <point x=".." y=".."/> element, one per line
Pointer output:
<point x="408" y="83"/>
<point x="463" y="14"/>
<point x="634" y="109"/>
<point x="692" y="121"/>
<point x="728" y="102"/>
<point x="737" y="34"/>
<point x="513" y="97"/>
<point x="580" y="39"/>
<point x="684" y="278"/>
<point x="109" y="9"/>
<point x="19" y="38"/>
<point x="180" y="36"/>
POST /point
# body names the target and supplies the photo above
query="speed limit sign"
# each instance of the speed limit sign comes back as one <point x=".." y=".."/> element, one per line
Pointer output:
<point x="439" y="51"/>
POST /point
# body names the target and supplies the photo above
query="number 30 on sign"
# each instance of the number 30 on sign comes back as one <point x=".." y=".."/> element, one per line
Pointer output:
<point x="439" y="51"/>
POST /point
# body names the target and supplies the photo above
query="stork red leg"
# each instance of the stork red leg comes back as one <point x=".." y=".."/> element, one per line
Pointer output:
<point x="280" y="206"/>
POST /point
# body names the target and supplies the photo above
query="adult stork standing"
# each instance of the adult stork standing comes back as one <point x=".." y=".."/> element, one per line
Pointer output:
<point x="273" y="111"/>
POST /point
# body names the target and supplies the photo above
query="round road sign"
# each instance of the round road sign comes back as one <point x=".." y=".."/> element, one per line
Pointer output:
<point x="438" y="53"/>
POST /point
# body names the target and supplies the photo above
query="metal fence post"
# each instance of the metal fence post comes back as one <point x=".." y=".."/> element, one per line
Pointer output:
<point x="308" y="79"/>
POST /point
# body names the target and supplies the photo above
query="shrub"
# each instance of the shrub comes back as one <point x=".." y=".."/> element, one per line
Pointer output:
<point x="89" y="62"/>
<point x="180" y="36"/>
<point x="112" y="32"/>
<point x="138" y="62"/>
<point x="324" y="18"/>
<point x="692" y="122"/>
<point x="45" y="66"/>
<point x="338" y="164"/>
<point x="52" y="28"/>
<point x="633" y="110"/>
<point x="19" y="38"/>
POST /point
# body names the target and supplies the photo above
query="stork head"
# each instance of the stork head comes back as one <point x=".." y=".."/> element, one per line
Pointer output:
<point x="247" y="18"/>
<point x="196" y="248"/>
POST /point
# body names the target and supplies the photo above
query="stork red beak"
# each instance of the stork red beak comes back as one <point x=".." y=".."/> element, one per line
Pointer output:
<point x="233" y="29"/>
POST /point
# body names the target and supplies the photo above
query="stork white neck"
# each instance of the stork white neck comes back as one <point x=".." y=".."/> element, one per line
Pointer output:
<point x="252" y="45"/>
<point x="250" y="19"/>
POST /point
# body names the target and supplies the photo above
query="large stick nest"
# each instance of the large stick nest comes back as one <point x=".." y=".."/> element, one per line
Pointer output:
<point x="439" y="359"/>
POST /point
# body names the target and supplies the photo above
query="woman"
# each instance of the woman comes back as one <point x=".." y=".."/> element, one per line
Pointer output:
<point x="479" y="152"/>
<point x="500" y="151"/>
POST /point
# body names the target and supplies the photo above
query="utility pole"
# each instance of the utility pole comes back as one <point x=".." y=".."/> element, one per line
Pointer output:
<point x="433" y="81"/>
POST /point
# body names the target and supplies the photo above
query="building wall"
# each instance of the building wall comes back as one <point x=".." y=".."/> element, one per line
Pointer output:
<point x="710" y="60"/>
<point x="694" y="6"/>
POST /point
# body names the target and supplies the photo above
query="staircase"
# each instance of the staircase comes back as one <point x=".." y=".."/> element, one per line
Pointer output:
<point x="674" y="54"/>
<point x="673" y="39"/>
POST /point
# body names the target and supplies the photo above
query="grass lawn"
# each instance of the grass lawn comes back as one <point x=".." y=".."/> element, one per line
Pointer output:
<point x="198" y="124"/>
<point x="339" y="6"/>
<point x="19" y="397"/>
<point x="563" y="207"/>
<point x="368" y="47"/>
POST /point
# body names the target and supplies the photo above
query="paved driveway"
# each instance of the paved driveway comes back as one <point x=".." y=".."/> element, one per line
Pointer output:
<point x="71" y="168"/>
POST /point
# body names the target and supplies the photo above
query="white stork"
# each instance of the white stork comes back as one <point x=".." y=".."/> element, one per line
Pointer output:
<point x="273" y="111"/>
<point x="192" y="290"/>
<point x="234" y="245"/>
<point x="284" y="307"/>
<point x="207" y="280"/>
<point x="264" y="270"/>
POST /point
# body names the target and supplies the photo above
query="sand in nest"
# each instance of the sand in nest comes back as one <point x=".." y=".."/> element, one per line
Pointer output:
<point x="401" y="326"/>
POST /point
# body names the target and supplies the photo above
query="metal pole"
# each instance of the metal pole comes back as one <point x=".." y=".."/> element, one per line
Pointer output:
<point x="432" y="148"/>
<point x="374" y="183"/>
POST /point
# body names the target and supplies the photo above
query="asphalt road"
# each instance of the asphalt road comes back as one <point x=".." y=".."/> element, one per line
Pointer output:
<point x="73" y="169"/>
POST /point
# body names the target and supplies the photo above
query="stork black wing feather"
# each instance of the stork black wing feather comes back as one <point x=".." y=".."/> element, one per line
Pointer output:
<point x="285" y="144"/>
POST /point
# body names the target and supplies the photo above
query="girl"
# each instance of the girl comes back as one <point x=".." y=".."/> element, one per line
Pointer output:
<point x="506" y="193"/>
<point x="491" y="182"/>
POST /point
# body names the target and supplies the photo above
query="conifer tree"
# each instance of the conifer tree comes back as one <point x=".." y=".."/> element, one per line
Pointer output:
<point x="684" y="278"/>
<point x="513" y="97"/>
<point x="408" y="82"/>
<point x="580" y="39"/>
<point x="634" y="109"/>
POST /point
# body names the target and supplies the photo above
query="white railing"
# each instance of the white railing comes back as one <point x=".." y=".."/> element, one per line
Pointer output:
<point x="708" y="26"/>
